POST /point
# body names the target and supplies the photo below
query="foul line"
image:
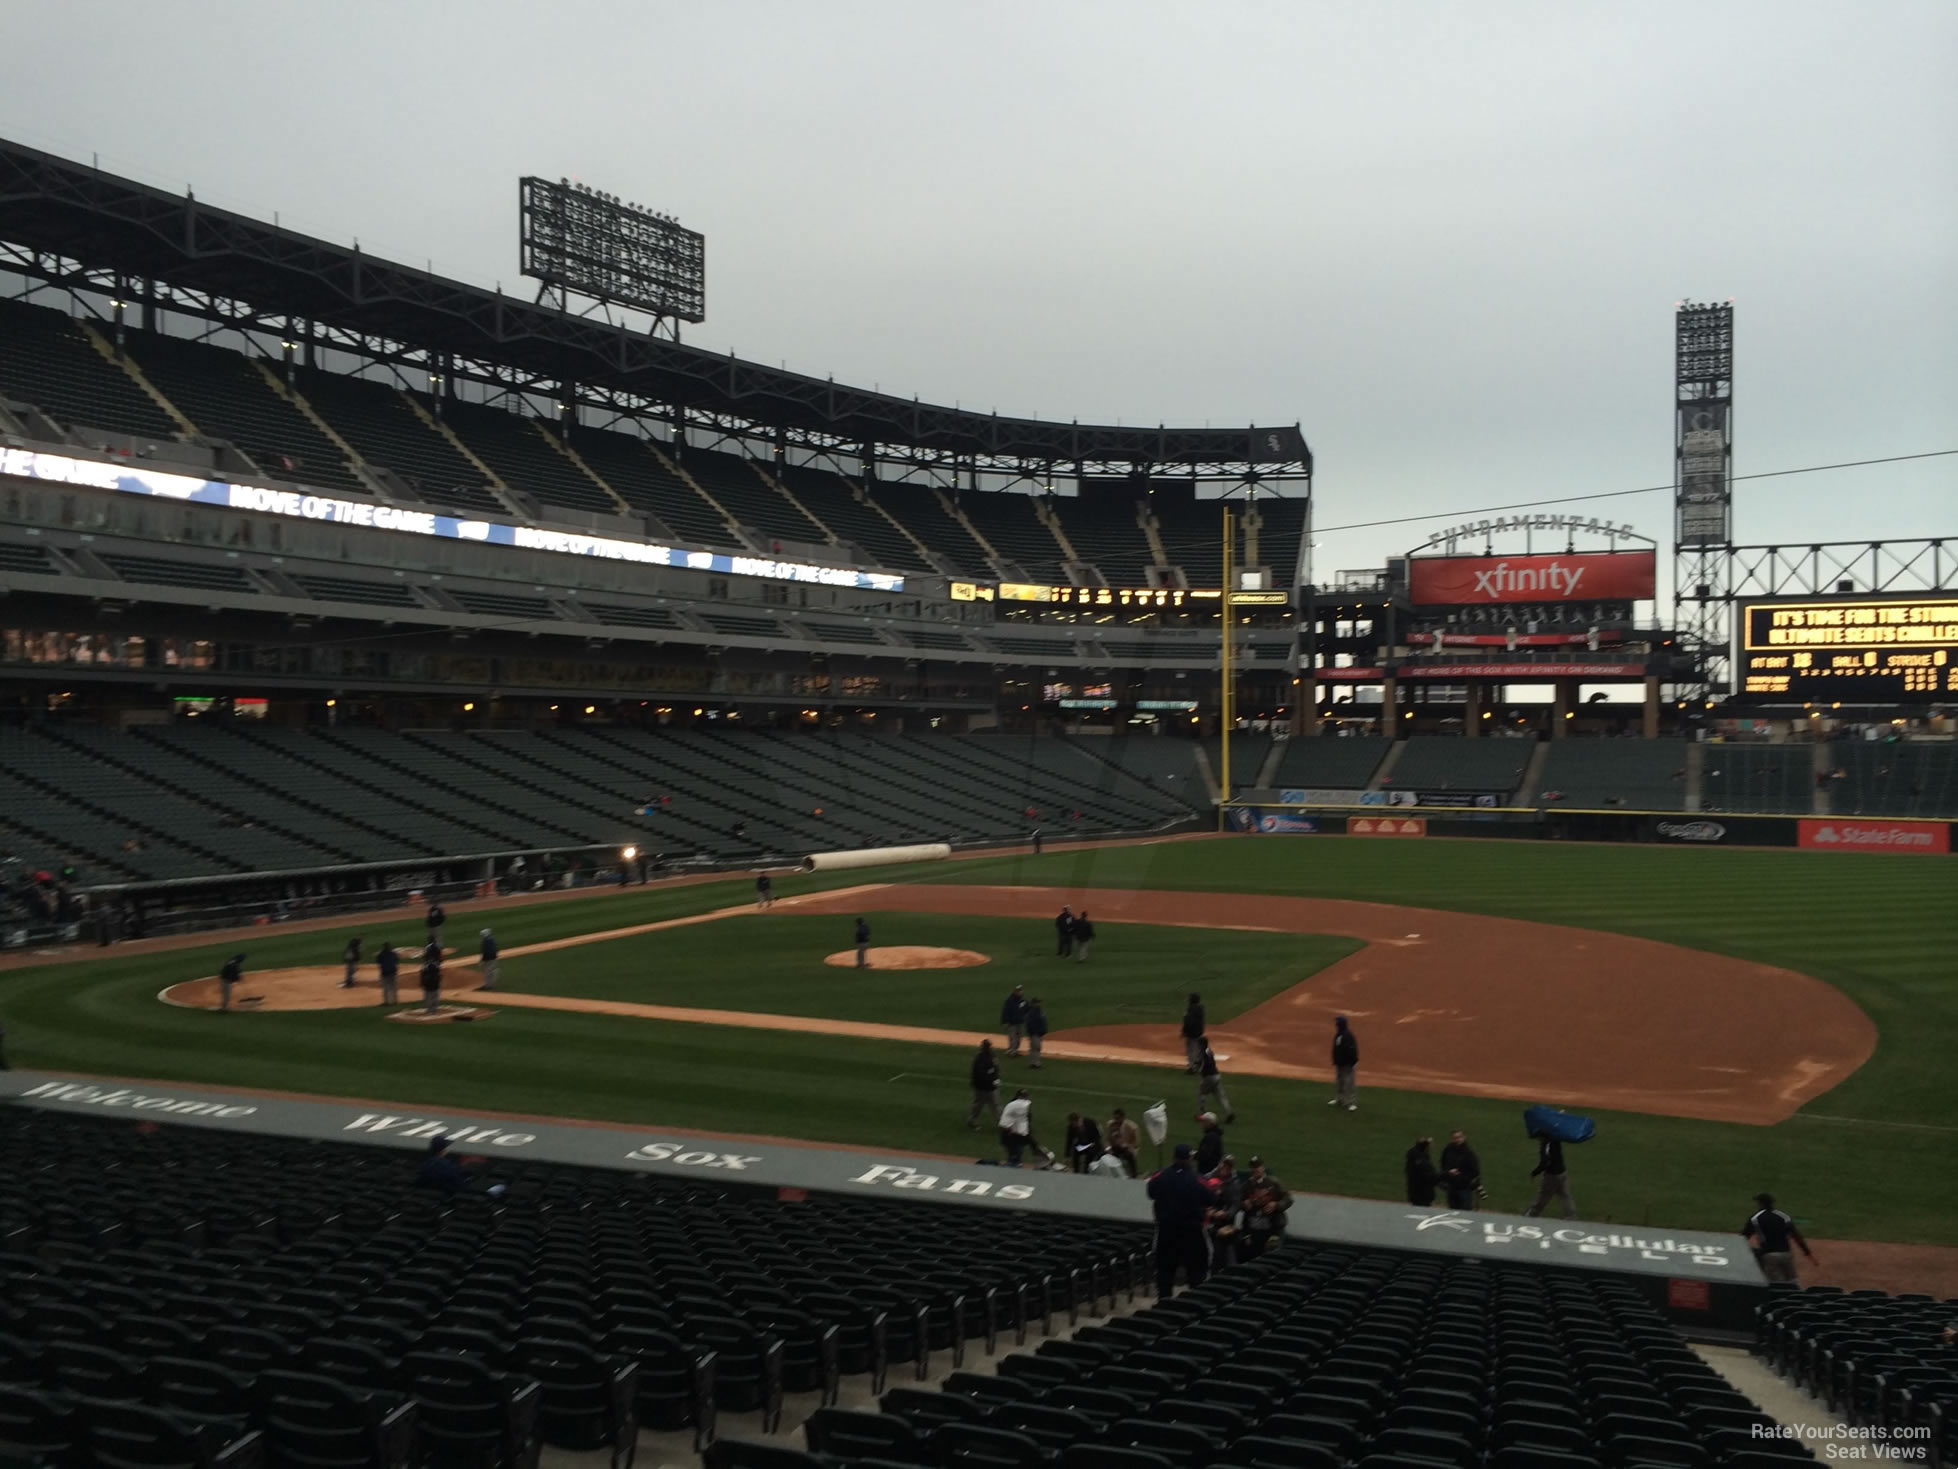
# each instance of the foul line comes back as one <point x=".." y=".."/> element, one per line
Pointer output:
<point x="1873" y="1122"/>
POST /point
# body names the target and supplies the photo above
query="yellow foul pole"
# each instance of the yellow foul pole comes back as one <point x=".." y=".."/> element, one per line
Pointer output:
<point x="1226" y="696"/>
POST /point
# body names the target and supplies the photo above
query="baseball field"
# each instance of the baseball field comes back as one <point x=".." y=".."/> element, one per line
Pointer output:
<point x="1734" y="1020"/>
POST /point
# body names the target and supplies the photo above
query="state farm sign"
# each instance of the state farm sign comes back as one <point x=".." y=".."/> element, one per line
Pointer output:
<point x="1858" y="835"/>
<point x="1602" y="576"/>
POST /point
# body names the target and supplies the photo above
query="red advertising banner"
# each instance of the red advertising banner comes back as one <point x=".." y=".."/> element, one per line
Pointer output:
<point x="1857" y="834"/>
<point x="1472" y="581"/>
<point x="1388" y="826"/>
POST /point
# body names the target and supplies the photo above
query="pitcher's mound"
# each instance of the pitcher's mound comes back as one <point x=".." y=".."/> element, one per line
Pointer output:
<point x="909" y="956"/>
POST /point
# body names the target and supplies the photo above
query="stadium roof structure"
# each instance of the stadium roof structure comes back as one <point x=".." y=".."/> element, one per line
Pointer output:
<point x="75" y="227"/>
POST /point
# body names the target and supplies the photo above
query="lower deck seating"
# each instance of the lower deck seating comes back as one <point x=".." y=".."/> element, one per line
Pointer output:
<point x="225" y="1285"/>
<point x="1452" y="763"/>
<point x="1742" y="777"/>
<point x="1322" y="1358"/>
<point x="1641" y="775"/>
<point x="1331" y="763"/>
<point x="1894" y="778"/>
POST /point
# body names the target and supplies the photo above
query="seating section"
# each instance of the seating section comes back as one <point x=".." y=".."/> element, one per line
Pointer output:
<point x="1106" y="534"/>
<point x="750" y="500"/>
<point x="1872" y="1359"/>
<point x="519" y="451"/>
<point x="922" y="513"/>
<point x="1055" y="777"/>
<point x="1740" y="777"/>
<point x="302" y="1303"/>
<point x="1330" y="763"/>
<point x="628" y="465"/>
<point x="33" y="560"/>
<point x="348" y="589"/>
<point x="1642" y="775"/>
<point x="1894" y="778"/>
<point x="385" y="431"/>
<point x="45" y="360"/>
<point x="1451" y="763"/>
<point x="1008" y="522"/>
<point x="1324" y="1357"/>
<point x="1248" y="752"/>
<point x="1165" y="762"/>
<point x="502" y="604"/>
<point x="833" y="501"/>
<point x="226" y="396"/>
<point x="159" y="571"/>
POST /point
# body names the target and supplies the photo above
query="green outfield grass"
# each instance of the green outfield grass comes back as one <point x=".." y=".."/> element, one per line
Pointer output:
<point x="1871" y="1159"/>
<point x="773" y="963"/>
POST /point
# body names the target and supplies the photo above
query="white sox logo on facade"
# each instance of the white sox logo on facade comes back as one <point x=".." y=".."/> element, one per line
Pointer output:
<point x="1692" y="831"/>
<point x="1490" y="1232"/>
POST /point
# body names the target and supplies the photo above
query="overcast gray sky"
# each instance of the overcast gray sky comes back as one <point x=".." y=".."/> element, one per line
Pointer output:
<point x="1445" y="238"/>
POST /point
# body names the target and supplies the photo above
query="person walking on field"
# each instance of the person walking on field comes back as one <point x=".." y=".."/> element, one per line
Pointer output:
<point x="228" y="977"/>
<point x="436" y="918"/>
<point x="1346" y="1056"/>
<point x="388" y="962"/>
<point x="1064" y="933"/>
<point x="1771" y="1232"/>
<point x="985" y="1085"/>
<point x="1084" y="935"/>
<point x="489" y="953"/>
<point x="1461" y="1171"/>
<point x="1036" y="1029"/>
<point x="352" y="957"/>
<point x="1193" y="1033"/>
<point x="1210" y="1083"/>
<point x="863" y="943"/>
<point x="1552" y="1181"/>
<point x="764" y="891"/>
<point x="1013" y="1016"/>
<point x="431" y="977"/>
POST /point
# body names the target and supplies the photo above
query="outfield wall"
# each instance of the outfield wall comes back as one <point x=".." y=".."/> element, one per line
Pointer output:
<point x="1662" y="828"/>
<point x="1703" y="1280"/>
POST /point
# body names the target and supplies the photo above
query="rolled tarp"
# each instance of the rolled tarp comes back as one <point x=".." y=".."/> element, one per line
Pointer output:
<point x="875" y="857"/>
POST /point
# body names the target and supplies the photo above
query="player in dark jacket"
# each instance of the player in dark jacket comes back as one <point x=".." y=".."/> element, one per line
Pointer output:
<point x="985" y="1084"/>
<point x="1064" y="933"/>
<point x="1461" y="1171"/>
<point x="1771" y="1233"/>
<point x="228" y="977"/>
<point x="863" y="943"/>
<point x="351" y="954"/>
<point x="1421" y="1174"/>
<point x="1193" y="1033"/>
<point x="432" y="977"/>
<point x="388" y="962"/>
<point x="1210" y="1082"/>
<point x="1552" y="1181"/>
<point x="1181" y="1204"/>
<point x="1084" y="935"/>
<point x="1013" y="1017"/>
<point x="1346" y="1056"/>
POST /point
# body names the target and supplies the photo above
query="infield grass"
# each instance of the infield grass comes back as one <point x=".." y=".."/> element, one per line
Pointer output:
<point x="1871" y="1159"/>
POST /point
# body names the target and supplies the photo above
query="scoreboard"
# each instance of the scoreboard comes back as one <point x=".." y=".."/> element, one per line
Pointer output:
<point x="1849" y="650"/>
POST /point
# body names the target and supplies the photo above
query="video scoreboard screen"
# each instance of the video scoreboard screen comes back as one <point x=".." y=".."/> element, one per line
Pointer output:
<point x="1848" y="650"/>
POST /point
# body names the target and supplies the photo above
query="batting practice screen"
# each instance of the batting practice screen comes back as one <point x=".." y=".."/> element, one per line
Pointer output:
<point x="1888" y="651"/>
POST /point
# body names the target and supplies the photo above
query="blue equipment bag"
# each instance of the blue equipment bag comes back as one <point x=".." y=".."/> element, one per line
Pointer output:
<point x="1566" y="1127"/>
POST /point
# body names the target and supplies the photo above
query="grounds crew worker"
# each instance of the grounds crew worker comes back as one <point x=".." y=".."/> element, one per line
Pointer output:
<point x="389" y="963"/>
<point x="432" y="977"/>
<point x="863" y="943"/>
<point x="985" y="1085"/>
<point x="489" y="952"/>
<point x="1552" y="1181"/>
<point x="1770" y="1232"/>
<point x="1193" y="1033"/>
<point x="1346" y="1057"/>
<point x="1064" y="933"/>
<point x="1013" y="1016"/>
<point x="233" y="971"/>
<point x="352" y="956"/>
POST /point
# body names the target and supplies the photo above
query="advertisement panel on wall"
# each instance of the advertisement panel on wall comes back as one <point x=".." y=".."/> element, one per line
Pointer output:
<point x="1271" y="821"/>
<point x="1468" y="581"/>
<point x="1860" y="834"/>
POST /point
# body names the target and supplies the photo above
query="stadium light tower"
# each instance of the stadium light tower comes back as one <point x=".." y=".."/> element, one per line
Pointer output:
<point x="575" y="239"/>
<point x="1703" y="502"/>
